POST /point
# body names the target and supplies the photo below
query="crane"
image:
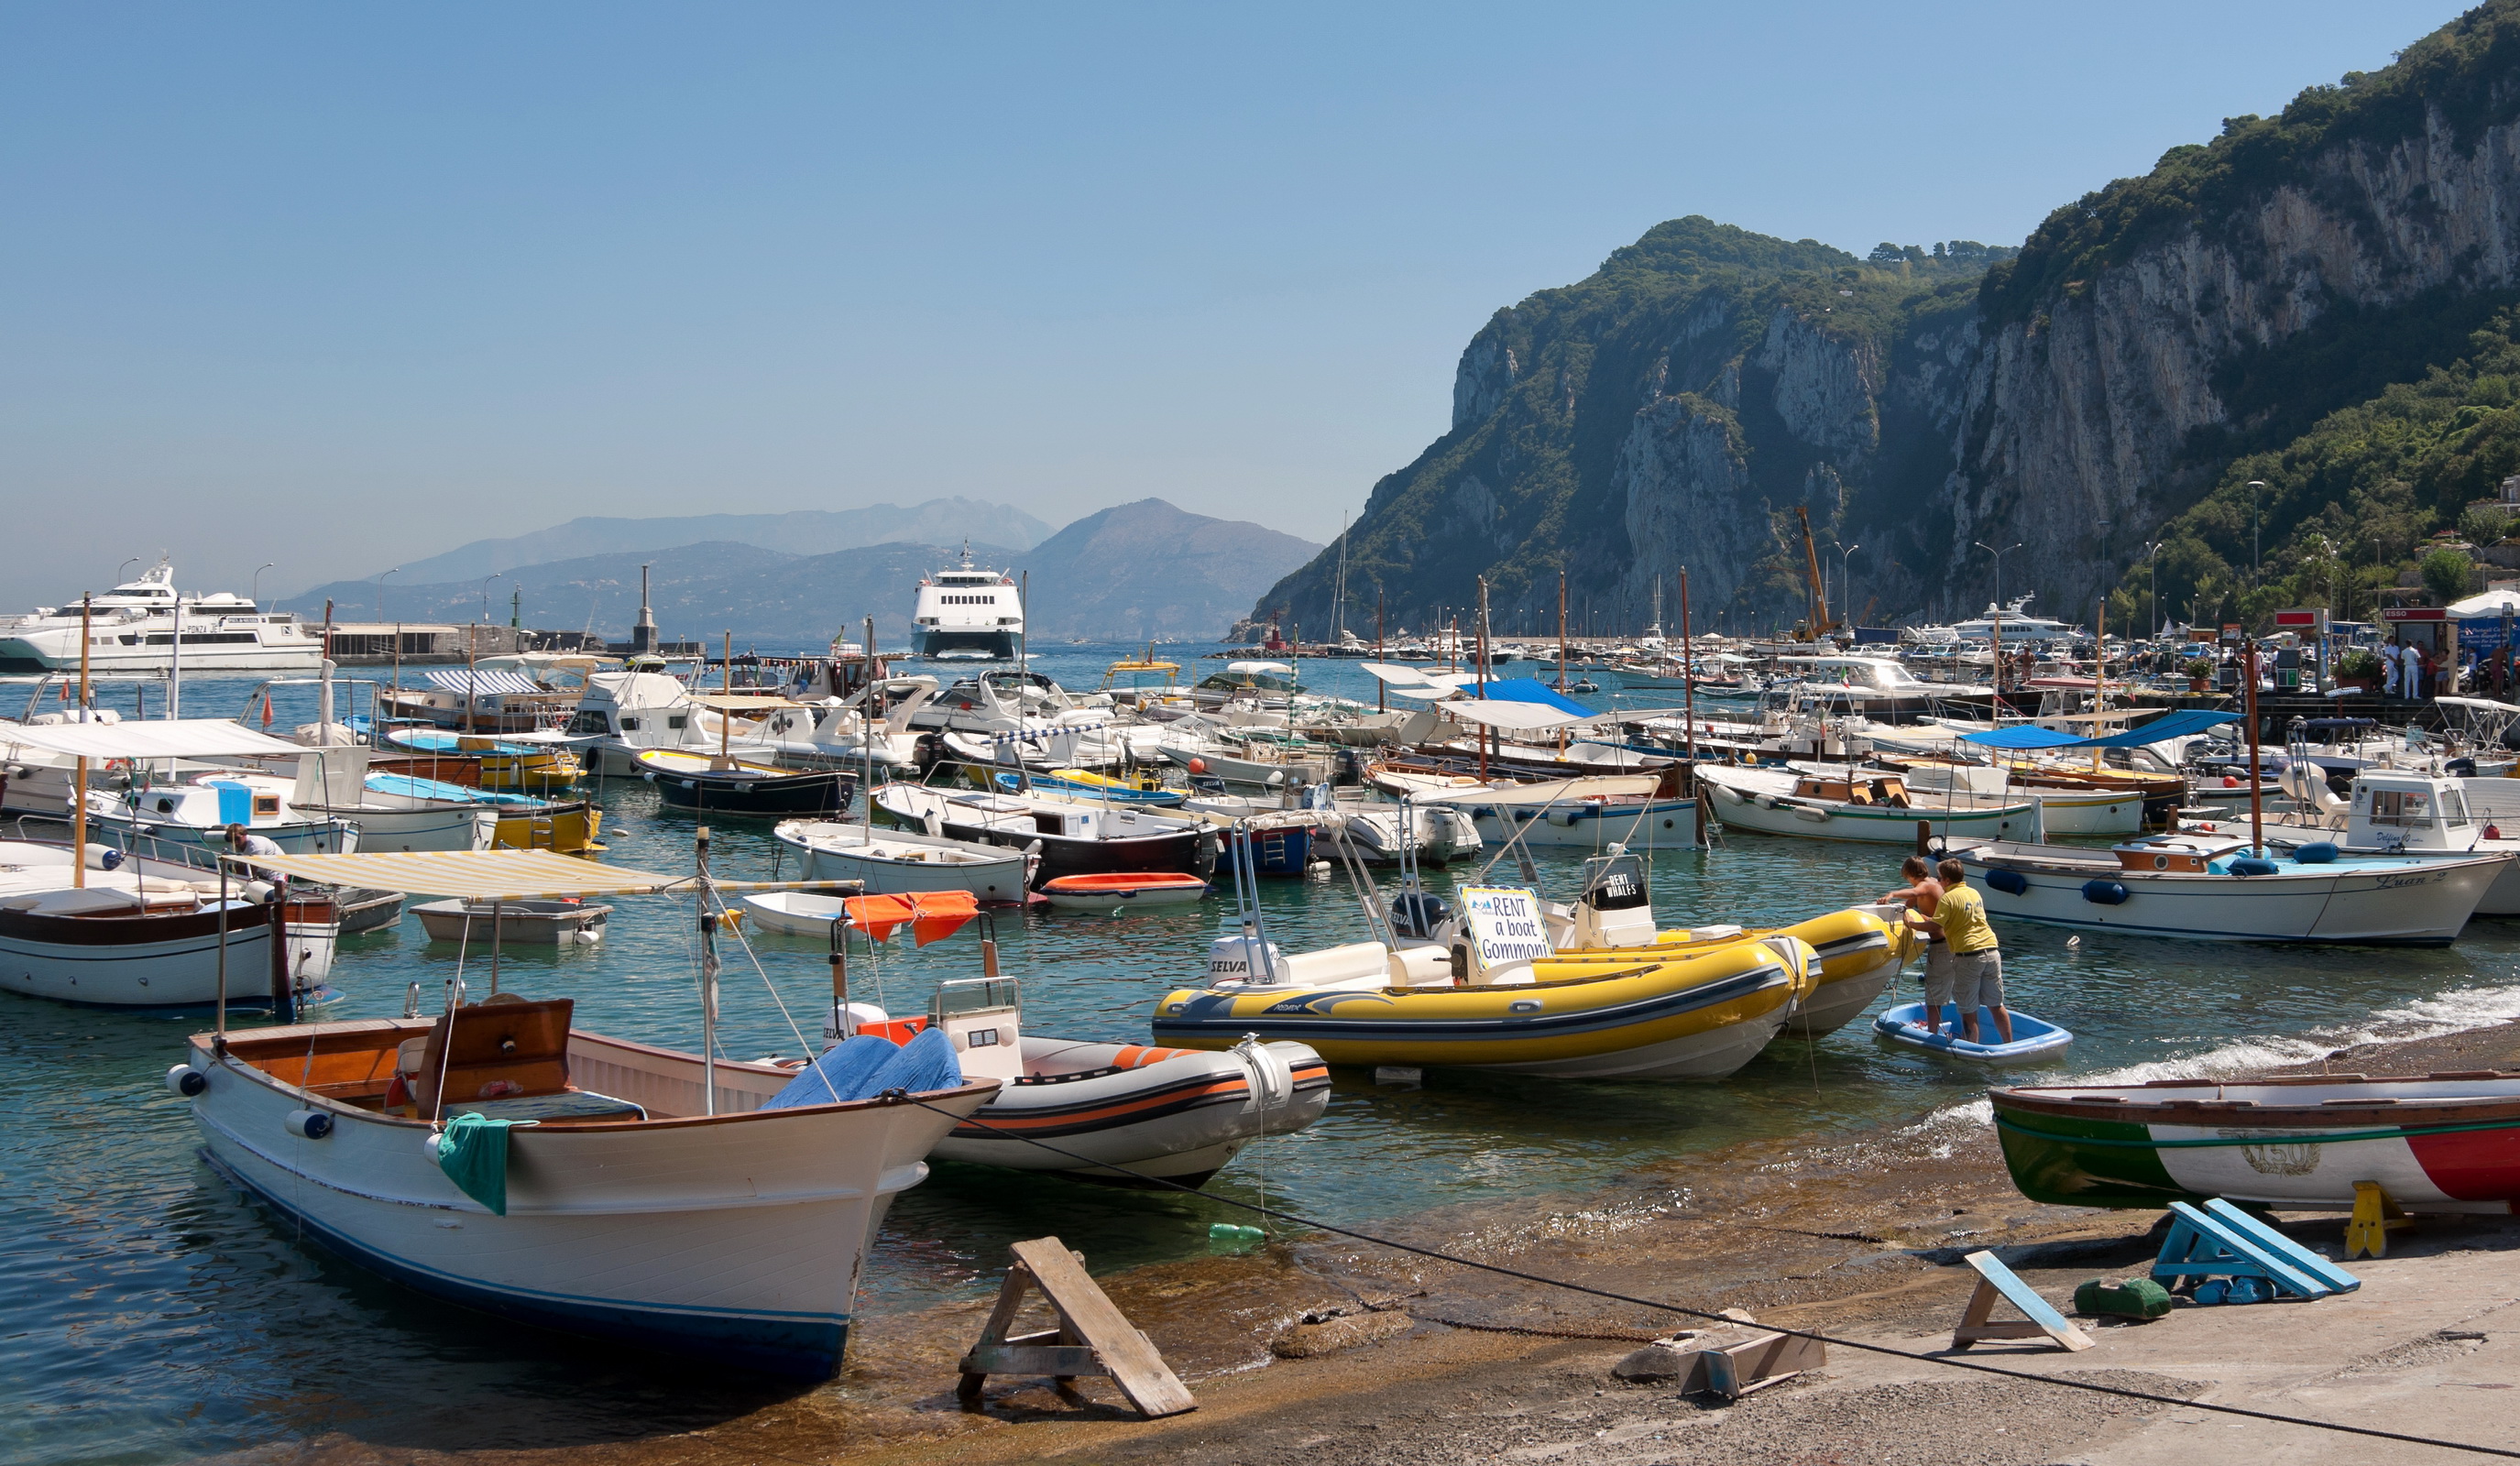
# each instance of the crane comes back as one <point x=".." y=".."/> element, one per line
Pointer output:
<point x="1820" y="623"/>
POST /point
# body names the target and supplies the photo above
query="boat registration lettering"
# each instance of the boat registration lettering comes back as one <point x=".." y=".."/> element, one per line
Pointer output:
<point x="1506" y="926"/>
<point x="2393" y="882"/>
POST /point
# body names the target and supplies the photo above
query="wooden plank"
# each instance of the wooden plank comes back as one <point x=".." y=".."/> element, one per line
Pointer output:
<point x="1129" y="1356"/>
<point x="1994" y="1279"/>
<point x="1011" y="1294"/>
<point x="1754" y="1362"/>
<point x="1069" y="1359"/>
<point x="2200" y="1246"/>
<point x="2336" y="1279"/>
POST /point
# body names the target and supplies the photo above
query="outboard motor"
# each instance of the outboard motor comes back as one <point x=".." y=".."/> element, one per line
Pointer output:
<point x="1419" y="915"/>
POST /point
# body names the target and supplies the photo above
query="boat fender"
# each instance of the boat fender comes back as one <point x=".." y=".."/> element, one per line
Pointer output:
<point x="2009" y="882"/>
<point x="308" y="1125"/>
<point x="2104" y="893"/>
<point x="2316" y="853"/>
<point x="1273" y="1081"/>
<point x="187" y="1081"/>
<point x="2249" y="865"/>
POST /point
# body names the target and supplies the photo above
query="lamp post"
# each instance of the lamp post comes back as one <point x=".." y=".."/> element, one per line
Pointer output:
<point x="485" y="594"/>
<point x="258" y="582"/>
<point x="381" y="592"/>
<point x="1999" y="567"/>
<point x="117" y="571"/>
<point x="2152" y="558"/>
<point x="1846" y="585"/>
<point x="2256" y="487"/>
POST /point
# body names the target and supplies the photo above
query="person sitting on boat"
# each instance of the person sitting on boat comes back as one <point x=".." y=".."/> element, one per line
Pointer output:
<point x="1977" y="964"/>
<point x="245" y="842"/>
<point x="1922" y="895"/>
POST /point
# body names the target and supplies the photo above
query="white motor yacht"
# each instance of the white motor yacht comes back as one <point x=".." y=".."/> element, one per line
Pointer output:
<point x="133" y="627"/>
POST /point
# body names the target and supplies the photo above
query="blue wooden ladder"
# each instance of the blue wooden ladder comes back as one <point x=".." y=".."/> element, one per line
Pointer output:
<point x="2223" y="1241"/>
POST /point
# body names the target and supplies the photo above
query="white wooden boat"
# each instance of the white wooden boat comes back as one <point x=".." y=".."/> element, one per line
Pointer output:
<point x="893" y="862"/>
<point x="522" y="923"/>
<point x="2212" y="888"/>
<point x="794" y="913"/>
<point x="1876" y="809"/>
<point x="152" y="934"/>
<point x="1579" y="814"/>
<point x="631" y="1212"/>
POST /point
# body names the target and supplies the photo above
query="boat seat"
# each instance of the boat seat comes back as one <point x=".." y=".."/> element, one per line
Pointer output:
<point x="502" y="1048"/>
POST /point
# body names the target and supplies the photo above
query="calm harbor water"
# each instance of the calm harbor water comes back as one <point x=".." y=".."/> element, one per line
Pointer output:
<point x="151" y="1316"/>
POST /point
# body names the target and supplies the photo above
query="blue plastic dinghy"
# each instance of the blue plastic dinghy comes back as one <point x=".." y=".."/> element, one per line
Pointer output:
<point x="2031" y="1039"/>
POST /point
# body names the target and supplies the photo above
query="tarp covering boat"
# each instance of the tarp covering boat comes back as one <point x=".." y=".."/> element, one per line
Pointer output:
<point x="2184" y="722"/>
<point x="931" y="914"/>
<point x="182" y="738"/>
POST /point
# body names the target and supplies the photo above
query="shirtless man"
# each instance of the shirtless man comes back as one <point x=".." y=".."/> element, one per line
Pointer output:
<point x="1922" y="895"/>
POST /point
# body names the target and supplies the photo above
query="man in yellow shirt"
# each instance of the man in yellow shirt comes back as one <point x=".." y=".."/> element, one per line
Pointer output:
<point x="1977" y="964"/>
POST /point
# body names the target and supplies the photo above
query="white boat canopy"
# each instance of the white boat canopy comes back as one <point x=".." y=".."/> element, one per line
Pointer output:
<point x="485" y="680"/>
<point x="502" y="874"/>
<point x="1498" y="712"/>
<point x="184" y="738"/>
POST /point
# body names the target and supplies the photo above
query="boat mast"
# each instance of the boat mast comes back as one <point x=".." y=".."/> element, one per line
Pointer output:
<point x="1381" y="694"/>
<point x="78" y="797"/>
<point x="725" y="713"/>
<point x="1562" y="631"/>
<point x="1687" y="681"/>
<point x="2257" y="792"/>
<point x="866" y="748"/>
<point x="708" y="980"/>
<point x="1486" y="735"/>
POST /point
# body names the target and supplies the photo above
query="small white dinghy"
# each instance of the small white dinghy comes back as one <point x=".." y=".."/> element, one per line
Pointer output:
<point x="794" y="913"/>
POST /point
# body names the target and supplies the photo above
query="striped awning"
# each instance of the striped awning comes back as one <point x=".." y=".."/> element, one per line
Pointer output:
<point x="473" y="874"/>
<point x="476" y="681"/>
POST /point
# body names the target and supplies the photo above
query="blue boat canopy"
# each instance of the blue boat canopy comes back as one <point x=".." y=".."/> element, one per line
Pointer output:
<point x="2179" y="724"/>
<point x="1525" y="689"/>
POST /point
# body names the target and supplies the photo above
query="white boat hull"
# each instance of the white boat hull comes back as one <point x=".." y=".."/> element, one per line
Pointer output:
<point x="1181" y="1118"/>
<point x="2407" y="903"/>
<point x="178" y="972"/>
<point x="1659" y="824"/>
<point x="1785" y="814"/>
<point x="897" y="862"/>
<point x="737" y="1235"/>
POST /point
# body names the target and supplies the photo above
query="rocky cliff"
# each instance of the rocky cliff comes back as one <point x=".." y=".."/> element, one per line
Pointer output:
<point x="1674" y="408"/>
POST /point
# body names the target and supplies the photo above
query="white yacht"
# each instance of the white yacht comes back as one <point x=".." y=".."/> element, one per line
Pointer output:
<point x="2017" y="624"/>
<point x="967" y="612"/>
<point x="132" y="628"/>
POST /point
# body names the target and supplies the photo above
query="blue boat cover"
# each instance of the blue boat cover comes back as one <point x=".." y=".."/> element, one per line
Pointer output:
<point x="868" y="1064"/>
<point x="1525" y="689"/>
<point x="2179" y="724"/>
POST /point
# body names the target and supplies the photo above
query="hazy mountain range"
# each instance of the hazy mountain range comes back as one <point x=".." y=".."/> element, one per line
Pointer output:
<point x="938" y="521"/>
<point x="1136" y="570"/>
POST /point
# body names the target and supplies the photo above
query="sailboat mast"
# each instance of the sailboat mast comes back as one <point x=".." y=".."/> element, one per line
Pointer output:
<point x="1562" y="631"/>
<point x="78" y="796"/>
<point x="1688" y="679"/>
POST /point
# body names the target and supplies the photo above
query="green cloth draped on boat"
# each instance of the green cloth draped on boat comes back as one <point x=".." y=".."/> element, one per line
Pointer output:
<point x="472" y="1151"/>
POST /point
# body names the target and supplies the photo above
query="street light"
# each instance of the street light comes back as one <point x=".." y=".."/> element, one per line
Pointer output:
<point x="2256" y="486"/>
<point x="117" y="571"/>
<point x="2152" y="558"/>
<point x="380" y="593"/>
<point x="485" y="594"/>
<point x="1999" y="565"/>
<point x="258" y="582"/>
<point x="1845" y="585"/>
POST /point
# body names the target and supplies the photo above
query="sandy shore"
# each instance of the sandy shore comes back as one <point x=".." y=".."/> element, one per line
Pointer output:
<point x="1411" y="1361"/>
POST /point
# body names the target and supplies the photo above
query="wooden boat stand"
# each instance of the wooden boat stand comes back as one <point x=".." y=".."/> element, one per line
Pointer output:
<point x="2223" y="1241"/>
<point x="2375" y="1214"/>
<point x="1093" y="1338"/>
<point x="2039" y="1320"/>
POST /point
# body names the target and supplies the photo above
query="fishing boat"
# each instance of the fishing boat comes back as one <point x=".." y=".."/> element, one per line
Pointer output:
<point x="1517" y="1010"/>
<point x="524" y="822"/>
<point x="2032" y="1039"/>
<point x="135" y="932"/>
<point x="1074" y="839"/>
<point x="1874" y="807"/>
<point x="2445" y="1142"/>
<point x="2394" y="813"/>
<point x="660" y="1199"/>
<point x="2218" y="888"/>
<point x="530" y="923"/>
<point x="889" y="862"/>
<point x="1116" y="890"/>
<point x="730" y="787"/>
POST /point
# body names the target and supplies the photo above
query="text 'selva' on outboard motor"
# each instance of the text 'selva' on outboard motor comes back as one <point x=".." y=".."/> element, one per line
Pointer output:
<point x="1418" y="915"/>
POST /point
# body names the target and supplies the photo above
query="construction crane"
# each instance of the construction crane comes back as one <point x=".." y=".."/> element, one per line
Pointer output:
<point x="1819" y="622"/>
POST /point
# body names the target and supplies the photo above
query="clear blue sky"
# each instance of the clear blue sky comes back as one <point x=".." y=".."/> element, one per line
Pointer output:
<point x="338" y="286"/>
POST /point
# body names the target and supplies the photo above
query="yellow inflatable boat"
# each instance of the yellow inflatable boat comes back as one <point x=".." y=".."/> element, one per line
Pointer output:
<point x="1688" y="1015"/>
<point x="1861" y="952"/>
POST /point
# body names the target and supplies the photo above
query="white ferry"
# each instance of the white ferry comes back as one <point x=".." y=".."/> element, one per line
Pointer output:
<point x="132" y="628"/>
<point x="967" y="612"/>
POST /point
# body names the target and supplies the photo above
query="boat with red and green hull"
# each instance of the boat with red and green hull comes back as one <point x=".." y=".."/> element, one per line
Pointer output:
<point x="2443" y="1143"/>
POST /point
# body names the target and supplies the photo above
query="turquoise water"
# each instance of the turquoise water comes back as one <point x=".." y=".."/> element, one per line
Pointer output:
<point x="153" y="1316"/>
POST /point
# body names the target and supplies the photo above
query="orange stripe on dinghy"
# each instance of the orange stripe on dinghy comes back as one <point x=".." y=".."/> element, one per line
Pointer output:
<point x="1119" y="881"/>
<point x="1139" y="1056"/>
<point x="1118" y="1109"/>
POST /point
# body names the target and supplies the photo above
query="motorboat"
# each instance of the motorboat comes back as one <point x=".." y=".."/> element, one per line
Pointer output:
<point x="796" y="913"/>
<point x="2446" y="1142"/>
<point x="890" y="862"/>
<point x="132" y="931"/>
<point x="2064" y="808"/>
<point x="1431" y="832"/>
<point x="1176" y="1115"/>
<point x="1074" y="837"/>
<point x="2218" y="888"/>
<point x="1874" y="808"/>
<point x="1594" y="813"/>
<point x="723" y="786"/>
<point x="133" y="627"/>
<point x="521" y="820"/>
<point x="624" y="714"/>
<point x="560" y="922"/>
<point x="523" y="762"/>
<point x="2397" y="813"/>
<point x="2033" y="1039"/>
<point x="1257" y="684"/>
<point x="508" y="693"/>
<point x="1117" y="889"/>
<point x="1090" y="785"/>
<point x="967" y="610"/>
